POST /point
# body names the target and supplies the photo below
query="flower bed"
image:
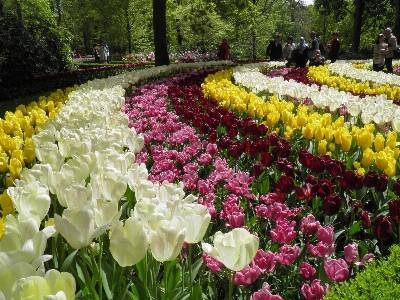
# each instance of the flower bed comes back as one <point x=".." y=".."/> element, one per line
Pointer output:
<point x="199" y="186"/>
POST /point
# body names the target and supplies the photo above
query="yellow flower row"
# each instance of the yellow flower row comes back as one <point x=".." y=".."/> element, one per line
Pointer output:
<point x="322" y="75"/>
<point x="328" y="133"/>
<point x="16" y="146"/>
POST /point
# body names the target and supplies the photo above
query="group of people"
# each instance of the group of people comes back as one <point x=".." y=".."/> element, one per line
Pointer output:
<point x="302" y="53"/>
<point x="101" y="53"/>
<point x="384" y="48"/>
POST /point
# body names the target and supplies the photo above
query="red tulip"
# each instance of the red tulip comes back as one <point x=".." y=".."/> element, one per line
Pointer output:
<point x="332" y="204"/>
<point x="383" y="227"/>
<point x="394" y="209"/>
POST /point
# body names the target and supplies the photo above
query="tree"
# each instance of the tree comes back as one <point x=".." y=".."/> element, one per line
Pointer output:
<point x="160" y="32"/>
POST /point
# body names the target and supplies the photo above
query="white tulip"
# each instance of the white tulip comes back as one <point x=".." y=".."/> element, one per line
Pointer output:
<point x="196" y="218"/>
<point x="235" y="249"/>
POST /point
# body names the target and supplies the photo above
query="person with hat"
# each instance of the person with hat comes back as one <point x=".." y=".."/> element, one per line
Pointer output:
<point x="301" y="54"/>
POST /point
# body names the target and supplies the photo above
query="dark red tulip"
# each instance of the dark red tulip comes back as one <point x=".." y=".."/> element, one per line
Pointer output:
<point x="267" y="159"/>
<point x="382" y="183"/>
<point x="335" y="167"/>
<point x="258" y="169"/>
<point x="383" y="227"/>
<point x="325" y="187"/>
<point x="305" y="158"/>
<point x="365" y="219"/>
<point x="332" y="204"/>
<point x="282" y="149"/>
<point x="273" y="138"/>
<point x="285" y="184"/>
<point x="307" y="192"/>
<point x="317" y="165"/>
<point x="396" y="187"/>
<point x="235" y="149"/>
<point x="262" y="130"/>
<point x="371" y="178"/>
<point x="394" y="209"/>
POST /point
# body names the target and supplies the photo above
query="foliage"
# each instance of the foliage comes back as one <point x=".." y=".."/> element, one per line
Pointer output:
<point x="31" y="50"/>
<point x="380" y="280"/>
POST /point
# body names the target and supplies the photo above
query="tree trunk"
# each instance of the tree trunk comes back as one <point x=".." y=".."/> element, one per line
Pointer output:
<point x="86" y="40"/>
<point x="160" y="32"/>
<point x="19" y="10"/>
<point x="396" y="30"/>
<point x="358" y="13"/>
<point x="1" y="8"/>
<point x="128" y="32"/>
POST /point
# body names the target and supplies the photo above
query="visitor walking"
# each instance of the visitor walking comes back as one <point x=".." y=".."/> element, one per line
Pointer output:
<point x="380" y="52"/>
<point x="287" y="51"/>
<point x="224" y="50"/>
<point x="96" y="53"/>
<point x="314" y="46"/>
<point x="391" y="40"/>
<point x="108" y="53"/>
<point x="334" y="47"/>
<point x="301" y="53"/>
<point x="103" y="54"/>
<point x="274" y="49"/>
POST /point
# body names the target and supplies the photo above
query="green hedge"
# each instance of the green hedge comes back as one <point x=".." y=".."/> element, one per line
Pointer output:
<point x="380" y="280"/>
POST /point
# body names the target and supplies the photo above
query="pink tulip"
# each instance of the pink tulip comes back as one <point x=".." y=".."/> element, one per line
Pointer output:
<point x="307" y="272"/>
<point x="336" y="269"/>
<point x="265" y="260"/>
<point x="309" y="225"/>
<point x="284" y="232"/>
<point x="351" y="253"/>
<point x="366" y="258"/>
<point x="212" y="264"/>
<point x="265" y="294"/>
<point x="287" y="254"/>
<point x="248" y="275"/>
<point x="315" y="291"/>
<point x="326" y="235"/>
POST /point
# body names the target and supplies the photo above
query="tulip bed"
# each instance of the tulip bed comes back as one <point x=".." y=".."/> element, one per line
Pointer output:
<point x="210" y="181"/>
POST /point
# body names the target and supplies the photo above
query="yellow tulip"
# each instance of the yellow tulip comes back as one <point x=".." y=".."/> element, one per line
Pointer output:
<point x="7" y="127"/>
<point x="326" y="120"/>
<point x="338" y="123"/>
<point x="361" y="171"/>
<point x="346" y="141"/>
<point x="15" y="143"/>
<point x="18" y="154"/>
<point x="7" y="206"/>
<point x="29" y="151"/>
<point x="15" y="168"/>
<point x="322" y="147"/>
<point x="329" y="133"/>
<point x="391" y="139"/>
<point x="396" y="153"/>
<point x="390" y="171"/>
<point x="381" y="160"/>
<point x="272" y="119"/>
<point x="379" y="142"/>
<point x="308" y="131"/>
<point x="368" y="157"/>
<point x="332" y="147"/>
<point x="3" y="162"/>
<point x="319" y="132"/>
<point x="356" y="164"/>
<point x="365" y="139"/>
<point x="370" y="127"/>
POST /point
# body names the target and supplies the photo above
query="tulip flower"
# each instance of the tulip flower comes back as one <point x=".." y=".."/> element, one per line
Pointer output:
<point x="77" y="226"/>
<point x="394" y="209"/>
<point x="167" y="239"/>
<point x="315" y="291"/>
<point x="197" y="219"/>
<point x="59" y="286"/>
<point x="307" y="272"/>
<point x="31" y="200"/>
<point x="351" y="253"/>
<point x="265" y="294"/>
<point x="129" y="242"/>
<point x="336" y="269"/>
<point x="235" y="249"/>
<point x="10" y="274"/>
<point x="383" y="227"/>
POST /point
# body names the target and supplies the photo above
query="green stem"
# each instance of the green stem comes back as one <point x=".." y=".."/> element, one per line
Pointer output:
<point x="120" y="281"/>
<point x="231" y="282"/>
<point x="183" y="274"/>
<point x="100" y="257"/>
<point x="87" y="277"/>
<point x="398" y="231"/>
<point x="166" y="279"/>
<point x="190" y="271"/>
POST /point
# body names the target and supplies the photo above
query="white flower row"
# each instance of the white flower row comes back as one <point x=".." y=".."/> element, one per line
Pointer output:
<point x="371" y="108"/>
<point x="346" y="69"/>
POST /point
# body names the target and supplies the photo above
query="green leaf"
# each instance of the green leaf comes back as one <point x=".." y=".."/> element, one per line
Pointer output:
<point x="338" y="233"/>
<point x="355" y="228"/>
<point x="106" y="275"/>
<point x="196" y="267"/>
<point x="138" y="288"/>
<point x="68" y="261"/>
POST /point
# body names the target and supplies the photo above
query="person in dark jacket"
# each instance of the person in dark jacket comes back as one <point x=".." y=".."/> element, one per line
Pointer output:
<point x="274" y="49"/>
<point x="334" y="47"/>
<point x="301" y="54"/>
